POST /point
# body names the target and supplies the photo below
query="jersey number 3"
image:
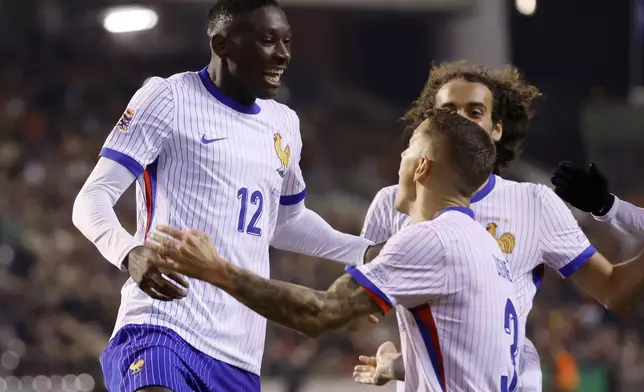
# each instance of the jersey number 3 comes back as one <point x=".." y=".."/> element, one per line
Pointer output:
<point x="511" y="324"/>
<point x="256" y="199"/>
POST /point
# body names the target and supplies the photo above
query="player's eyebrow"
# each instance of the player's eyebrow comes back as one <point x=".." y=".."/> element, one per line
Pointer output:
<point x="452" y="105"/>
<point x="477" y="104"/>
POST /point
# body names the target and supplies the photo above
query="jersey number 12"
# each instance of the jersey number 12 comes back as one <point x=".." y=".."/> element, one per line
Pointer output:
<point x="256" y="199"/>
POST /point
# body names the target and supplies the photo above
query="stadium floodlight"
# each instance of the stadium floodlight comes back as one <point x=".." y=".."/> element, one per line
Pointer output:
<point x="128" y="19"/>
<point x="526" y="7"/>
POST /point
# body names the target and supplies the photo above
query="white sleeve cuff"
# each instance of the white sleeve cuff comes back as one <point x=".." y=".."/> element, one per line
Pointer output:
<point x="611" y="214"/>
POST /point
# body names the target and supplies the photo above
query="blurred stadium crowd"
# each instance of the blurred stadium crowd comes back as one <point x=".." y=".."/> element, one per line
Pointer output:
<point x="58" y="297"/>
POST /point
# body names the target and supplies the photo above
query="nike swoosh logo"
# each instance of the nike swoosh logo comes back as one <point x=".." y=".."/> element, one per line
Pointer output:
<point x="208" y="141"/>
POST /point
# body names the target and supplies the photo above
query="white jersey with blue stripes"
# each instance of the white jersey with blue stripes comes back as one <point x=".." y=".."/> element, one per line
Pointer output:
<point x="206" y="162"/>
<point x="533" y="227"/>
<point x="452" y="288"/>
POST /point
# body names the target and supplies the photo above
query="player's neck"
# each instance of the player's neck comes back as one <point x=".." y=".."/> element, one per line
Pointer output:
<point x="228" y="85"/>
<point x="482" y="186"/>
<point x="429" y="204"/>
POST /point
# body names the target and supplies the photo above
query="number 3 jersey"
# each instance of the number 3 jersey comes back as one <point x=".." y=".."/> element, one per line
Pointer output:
<point x="533" y="228"/>
<point x="450" y="281"/>
<point x="206" y="162"/>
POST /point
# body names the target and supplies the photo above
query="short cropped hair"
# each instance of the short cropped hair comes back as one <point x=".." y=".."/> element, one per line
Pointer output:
<point x="224" y="12"/>
<point x="464" y="145"/>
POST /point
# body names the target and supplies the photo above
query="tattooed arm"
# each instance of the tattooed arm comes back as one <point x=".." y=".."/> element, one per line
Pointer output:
<point x="306" y="310"/>
<point x="312" y="312"/>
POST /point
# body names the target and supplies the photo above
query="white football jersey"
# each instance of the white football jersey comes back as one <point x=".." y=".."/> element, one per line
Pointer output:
<point x="532" y="226"/>
<point x="453" y="292"/>
<point x="205" y="162"/>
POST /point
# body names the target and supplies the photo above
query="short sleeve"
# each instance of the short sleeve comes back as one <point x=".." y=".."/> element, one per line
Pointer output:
<point x="409" y="271"/>
<point x="146" y="123"/>
<point x="564" y="245"/>
<point x="377" y="224"/>
<point x="290" y="153"/>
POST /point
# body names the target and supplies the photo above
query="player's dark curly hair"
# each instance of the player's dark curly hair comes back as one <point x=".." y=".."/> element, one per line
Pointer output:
<point x="224" y="11"/>
<point x="512" y="106"/>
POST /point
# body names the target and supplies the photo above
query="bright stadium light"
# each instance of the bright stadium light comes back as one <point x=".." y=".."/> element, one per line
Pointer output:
<point x="526" y="7"/>
<point x="129" y="19"/>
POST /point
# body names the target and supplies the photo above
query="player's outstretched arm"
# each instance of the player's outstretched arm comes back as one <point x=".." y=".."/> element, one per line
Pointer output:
<point x="309" y="311"/>
<point x="301" y="230"/>
<point x="588" y="190"/>
<point x="565" y="248"/>
<point x="616" y="286"/>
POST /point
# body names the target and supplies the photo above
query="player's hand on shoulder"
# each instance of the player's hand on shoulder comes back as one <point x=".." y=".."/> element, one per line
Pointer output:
<point x="585" y="189"/>
<point x="188" y="252"/>
<point x="141" y="264"/>
<point x="380" y="369"/>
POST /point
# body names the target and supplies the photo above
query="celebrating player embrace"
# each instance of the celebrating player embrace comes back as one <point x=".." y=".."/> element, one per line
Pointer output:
<point x="532" y="226"/>
<point x="209" y="150"/>
<point x="444" y="272"/>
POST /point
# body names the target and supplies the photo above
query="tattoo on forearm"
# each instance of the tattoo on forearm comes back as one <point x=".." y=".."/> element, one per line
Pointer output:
<point x="309" y="311"/>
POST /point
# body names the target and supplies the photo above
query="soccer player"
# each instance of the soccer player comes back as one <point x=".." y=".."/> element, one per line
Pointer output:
<point x="533" y="227"/>
<point x="209" y="150"/>
<point x="444" y="272"/>
<point x="588" y="190"/>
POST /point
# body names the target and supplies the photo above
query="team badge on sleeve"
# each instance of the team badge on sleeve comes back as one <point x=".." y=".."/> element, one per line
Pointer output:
<point x="283" y="154"/>
<point x="125" y="120"/>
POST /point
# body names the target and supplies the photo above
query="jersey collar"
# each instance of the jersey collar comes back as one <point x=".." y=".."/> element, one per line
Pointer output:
<point x="478" y="196"/>
<point x="463" y="210"/>
<point x="223" y="98"/>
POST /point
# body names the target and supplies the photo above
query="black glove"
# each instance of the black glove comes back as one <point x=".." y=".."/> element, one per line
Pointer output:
<point x="586" y="190"/>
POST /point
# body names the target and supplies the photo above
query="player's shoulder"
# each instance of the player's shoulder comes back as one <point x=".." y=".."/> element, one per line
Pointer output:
<point x="417" y="231"/>
<point x="523" y="190"/>
<point x="156" y="85"/>
<point x="183" y="81"/>
<point x="277" y="108"/>
<point x="168" y="85"/>
<point x="285" y="118"/>
<point x="386" y="195"/>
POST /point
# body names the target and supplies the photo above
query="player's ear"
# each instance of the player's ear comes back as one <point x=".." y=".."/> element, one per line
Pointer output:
<point x="423" y="169"/>
<point x="218" y="45"/>
<point x="497" y="132"/>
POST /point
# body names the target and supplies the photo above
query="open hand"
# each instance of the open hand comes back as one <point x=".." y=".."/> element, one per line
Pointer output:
<point x="380" y="369"/>
<point x="142" y="264"/>
<point x="188" y="252"/>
